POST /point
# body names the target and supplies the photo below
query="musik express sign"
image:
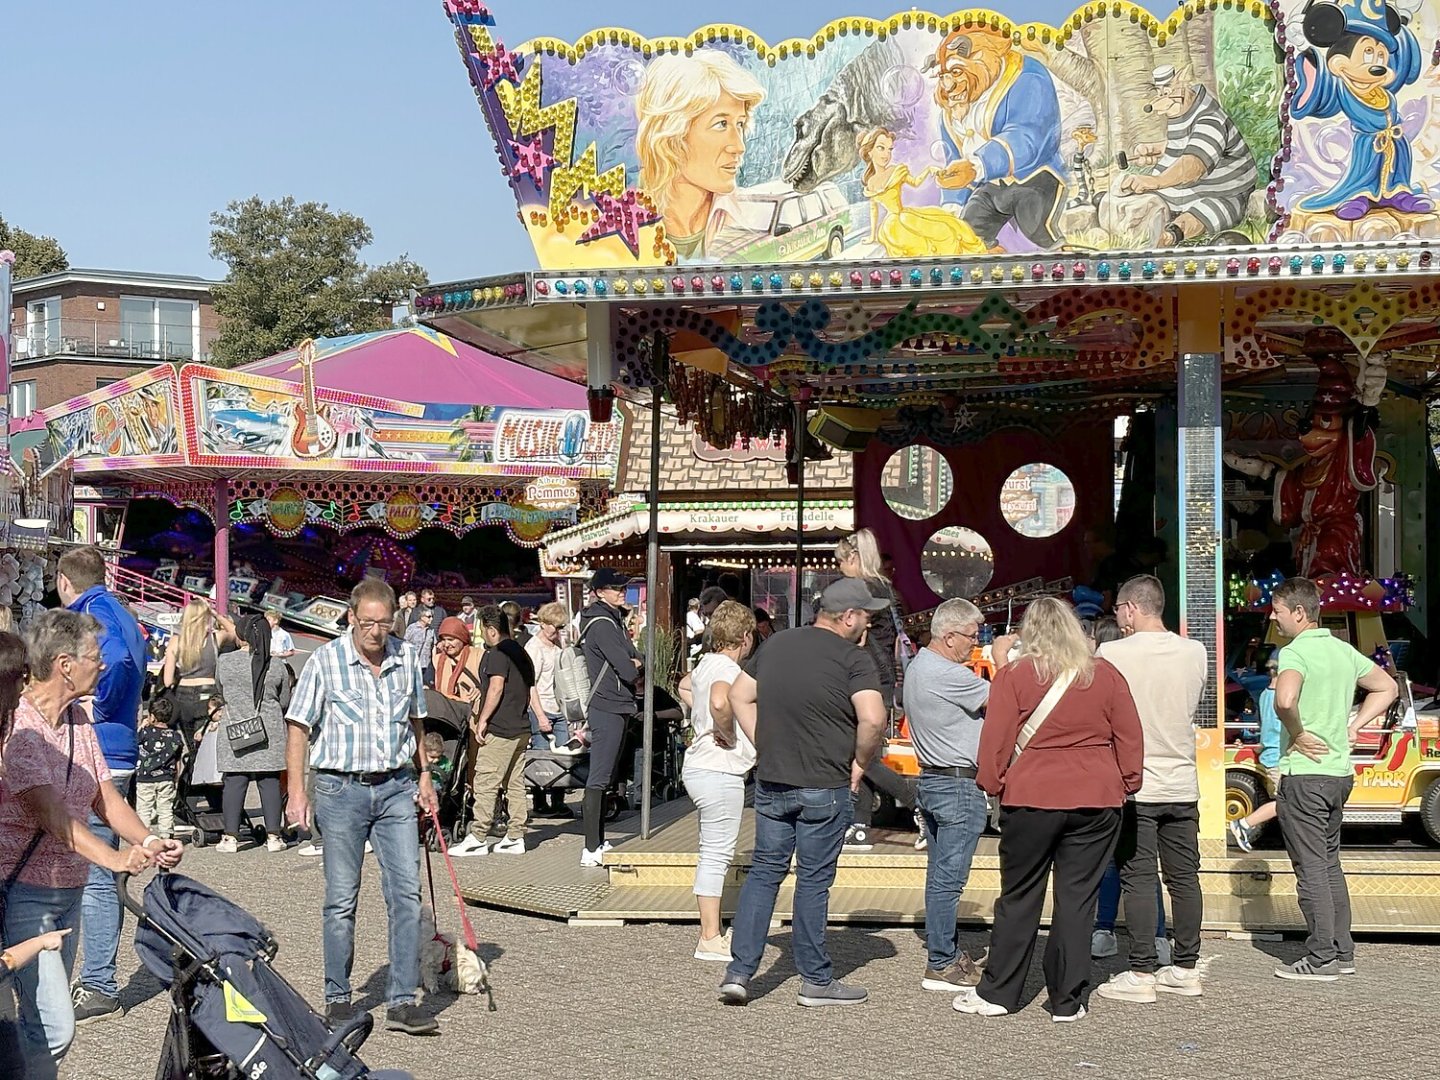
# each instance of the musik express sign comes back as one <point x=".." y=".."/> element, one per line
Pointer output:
<point x="537" y="440"/>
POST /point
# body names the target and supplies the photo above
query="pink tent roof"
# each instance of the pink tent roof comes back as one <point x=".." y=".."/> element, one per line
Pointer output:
<point x="418" y="364"/>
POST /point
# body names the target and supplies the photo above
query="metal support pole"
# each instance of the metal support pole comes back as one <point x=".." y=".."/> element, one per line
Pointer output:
<point x="652" y="573"/>
<point x="799" y="449"/>
<point x="222" y="546"/>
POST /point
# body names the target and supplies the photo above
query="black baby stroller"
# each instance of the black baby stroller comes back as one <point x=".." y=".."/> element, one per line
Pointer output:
<point x="450" y="719"/>
<point x="198" y="805"/>
<point x="231" y="1013"/>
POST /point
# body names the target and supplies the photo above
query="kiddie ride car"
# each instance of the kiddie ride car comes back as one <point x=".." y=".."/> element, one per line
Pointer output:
<point x="1397" y="766"/>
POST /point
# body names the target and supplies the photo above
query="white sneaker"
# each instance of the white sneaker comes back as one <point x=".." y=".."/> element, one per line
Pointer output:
<point x="274" y="843"/>
<point x="1103" y="944"/>
<point x="227" y="845"/>
<point x="471" y="845"/>
<point x="369" y="848"/>
<point x="716" y="948"/>
<point x="1129" y="986"/>
<point x="1078" y="1015"/>
<point x="606" y="846"/>
<point x="510" y="846"/>
<point x="591" y="858"/>
<point x="972" y="1003"/>
<point x="568" y="750"/>
<point x="1182" y="981"/>
<point x="1163" y="952"/>
<point x="311" y="851"/>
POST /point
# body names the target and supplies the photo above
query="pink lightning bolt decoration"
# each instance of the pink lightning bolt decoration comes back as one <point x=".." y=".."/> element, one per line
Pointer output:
<point x="623" y="217"/>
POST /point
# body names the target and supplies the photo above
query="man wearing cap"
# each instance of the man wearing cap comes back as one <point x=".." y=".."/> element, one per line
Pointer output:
<point x="813" y="709"/>
<point x="614" y="668"/>
<point x="1203" y="172"/>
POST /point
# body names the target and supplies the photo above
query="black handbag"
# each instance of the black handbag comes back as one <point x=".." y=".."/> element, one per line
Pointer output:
<point x="246" y="735"/>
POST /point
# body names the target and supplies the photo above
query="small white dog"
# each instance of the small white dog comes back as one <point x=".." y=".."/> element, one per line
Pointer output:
<point x="446" y="964"/>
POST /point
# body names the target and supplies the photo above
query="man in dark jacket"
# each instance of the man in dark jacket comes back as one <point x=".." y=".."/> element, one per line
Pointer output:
<point x="80" y="583"/>
<point x="614" y="668"/>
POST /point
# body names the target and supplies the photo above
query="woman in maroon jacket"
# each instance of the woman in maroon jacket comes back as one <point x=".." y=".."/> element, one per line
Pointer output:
<point x="1060" y="801"/>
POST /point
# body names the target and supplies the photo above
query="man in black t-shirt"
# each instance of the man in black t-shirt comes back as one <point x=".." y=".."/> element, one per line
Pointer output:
<point x="812" y="707"/>
<point x="501" y="731"/>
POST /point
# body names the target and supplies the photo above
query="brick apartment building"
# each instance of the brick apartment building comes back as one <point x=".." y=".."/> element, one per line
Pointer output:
<point x="77" y="330"/>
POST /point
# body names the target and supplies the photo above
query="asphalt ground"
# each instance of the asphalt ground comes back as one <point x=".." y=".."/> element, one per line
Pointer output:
<point x="629" y="1002"/>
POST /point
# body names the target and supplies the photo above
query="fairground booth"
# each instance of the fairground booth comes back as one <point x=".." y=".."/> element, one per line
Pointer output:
<point x="969" y="250"/>
<point x="286" y="482"/>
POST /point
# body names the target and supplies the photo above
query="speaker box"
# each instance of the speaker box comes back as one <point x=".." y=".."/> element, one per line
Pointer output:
<point x="846" y="429"/>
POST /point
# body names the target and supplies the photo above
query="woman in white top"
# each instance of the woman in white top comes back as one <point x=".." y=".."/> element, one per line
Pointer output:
<point x="715" y="765"/>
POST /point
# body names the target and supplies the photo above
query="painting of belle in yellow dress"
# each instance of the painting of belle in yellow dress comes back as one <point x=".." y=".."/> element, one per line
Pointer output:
<point x="907" y="232"/>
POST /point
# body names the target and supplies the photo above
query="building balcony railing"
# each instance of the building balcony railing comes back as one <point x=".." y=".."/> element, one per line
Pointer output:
<point x="121" y="342"/>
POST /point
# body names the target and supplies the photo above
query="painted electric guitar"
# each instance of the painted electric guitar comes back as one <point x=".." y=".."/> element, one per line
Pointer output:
<point x="313" y="436"/>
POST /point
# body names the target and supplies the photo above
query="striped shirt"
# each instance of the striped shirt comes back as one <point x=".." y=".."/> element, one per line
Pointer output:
<point x="1205" y="131"/>
<point x="358" y="721"/>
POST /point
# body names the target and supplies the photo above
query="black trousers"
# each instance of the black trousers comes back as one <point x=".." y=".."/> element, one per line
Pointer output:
<point x="1078" y="846"/>
<point x="1169" y="832"/>
<point x="232" y="800"/>
<point x="1031" y="205"/>
<point x="880" y="777"/>
<point x="607" y="738"/>
<point x="1310" y="809"/>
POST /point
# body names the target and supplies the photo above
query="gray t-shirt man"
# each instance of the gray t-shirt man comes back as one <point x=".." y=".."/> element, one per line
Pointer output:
<point x="944" y="703"/>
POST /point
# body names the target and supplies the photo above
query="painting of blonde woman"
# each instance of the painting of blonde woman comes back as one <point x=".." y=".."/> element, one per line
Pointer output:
<point x="694" y="113"/>
<point x="907" y="232"/>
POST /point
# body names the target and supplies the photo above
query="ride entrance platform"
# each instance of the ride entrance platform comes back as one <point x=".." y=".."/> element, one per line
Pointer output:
<point x="1392" y="890"/>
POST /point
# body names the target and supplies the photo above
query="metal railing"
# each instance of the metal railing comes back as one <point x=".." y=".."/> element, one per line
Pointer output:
<point x="112" y="340"/>
<point x="142" y="591"/>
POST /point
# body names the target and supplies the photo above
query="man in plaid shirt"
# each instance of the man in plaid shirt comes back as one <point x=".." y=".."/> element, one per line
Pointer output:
<point x="359" y="709"/>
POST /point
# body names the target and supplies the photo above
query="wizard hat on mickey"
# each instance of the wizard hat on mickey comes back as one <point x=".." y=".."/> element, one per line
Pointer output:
<point x="1326" y="23"/>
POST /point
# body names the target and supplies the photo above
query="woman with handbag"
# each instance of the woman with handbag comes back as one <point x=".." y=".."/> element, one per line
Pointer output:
<point x="55" y="777"/>
<point x="251" y="743"/>
<point x="1062" y="749"/>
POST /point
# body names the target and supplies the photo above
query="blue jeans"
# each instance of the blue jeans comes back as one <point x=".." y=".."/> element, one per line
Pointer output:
<point x="810" y="824"/>
<point x="1110" y="902"/>
<point x="47" y="1015"/>
<point x="102" y="916"/>
<point x="349" y="813"/>
<point x="559" y="728"/>
<point x="953" y="811"/>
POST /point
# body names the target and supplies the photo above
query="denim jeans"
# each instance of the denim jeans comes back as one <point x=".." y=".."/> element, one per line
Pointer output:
<point x="719" y="797"/>
<point x="559" y="728"/>
<point x="810" y="824"/>
<point x="349" y="813"/>
<point x="953" y="810"/>
<point x="47" y="1015"/>
<point x="1109" y="908"/>
<point x="102" y="916"/>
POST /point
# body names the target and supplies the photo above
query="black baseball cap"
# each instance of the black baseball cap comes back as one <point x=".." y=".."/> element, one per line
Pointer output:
<point x="850" y="594"/>
<point x="606" y="578"/>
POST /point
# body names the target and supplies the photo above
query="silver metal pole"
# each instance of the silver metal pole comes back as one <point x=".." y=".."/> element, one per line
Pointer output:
<point x="652" y="573"/>
<point x="799" y="449"/>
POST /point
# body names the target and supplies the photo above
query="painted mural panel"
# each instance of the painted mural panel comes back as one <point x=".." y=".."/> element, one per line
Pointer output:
<point x="939" y="136"/>
<point x="129" y="420"/>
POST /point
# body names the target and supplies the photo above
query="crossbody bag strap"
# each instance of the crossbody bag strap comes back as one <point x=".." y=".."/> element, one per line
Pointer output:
<point x="604" y="664"/>
<point x="1042" y="713"/>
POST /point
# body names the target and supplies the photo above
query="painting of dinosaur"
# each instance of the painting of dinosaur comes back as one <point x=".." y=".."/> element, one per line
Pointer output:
<point x="854" y="102"/>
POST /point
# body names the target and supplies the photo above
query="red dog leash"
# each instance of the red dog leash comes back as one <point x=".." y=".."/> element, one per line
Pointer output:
<point x="470" y="941"/>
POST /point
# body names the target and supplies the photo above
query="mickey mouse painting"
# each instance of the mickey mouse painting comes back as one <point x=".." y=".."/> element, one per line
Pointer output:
<point x="1360" y="53"/>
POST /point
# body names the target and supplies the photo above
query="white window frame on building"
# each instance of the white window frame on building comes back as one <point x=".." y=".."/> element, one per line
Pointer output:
<point x="44" y="313"/>
<point x="22" y="398"/>
<point x="156" y="346"/>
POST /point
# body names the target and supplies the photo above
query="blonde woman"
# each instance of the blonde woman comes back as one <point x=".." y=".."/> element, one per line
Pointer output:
<point x="716" y="763"/>
<point x="907" y="232"/>
<point x="190" y="664"/>
<point x="1062" y="749"/>
<point x="694" y="113"/>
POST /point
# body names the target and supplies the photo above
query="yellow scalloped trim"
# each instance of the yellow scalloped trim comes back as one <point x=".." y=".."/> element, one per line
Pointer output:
<point x="864" y="26"/>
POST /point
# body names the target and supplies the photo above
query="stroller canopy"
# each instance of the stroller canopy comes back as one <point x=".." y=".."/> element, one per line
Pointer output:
<point x="200" y="919"/>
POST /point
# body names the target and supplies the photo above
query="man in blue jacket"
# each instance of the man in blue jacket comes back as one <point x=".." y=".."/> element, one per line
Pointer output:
<point x="80" y="581"/>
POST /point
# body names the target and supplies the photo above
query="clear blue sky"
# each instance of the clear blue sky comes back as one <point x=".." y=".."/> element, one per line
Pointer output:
<point x="132" y="120"/>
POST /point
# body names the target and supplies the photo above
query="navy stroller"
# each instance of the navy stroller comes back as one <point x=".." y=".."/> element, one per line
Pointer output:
<point x="231" y="1014"/>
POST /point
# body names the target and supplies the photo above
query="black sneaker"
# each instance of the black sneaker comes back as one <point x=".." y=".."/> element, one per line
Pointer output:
<point x="338" y="1012"/>
<point x="857" y="838"/>
<point x="91" y="1005"/>
<point x="411" y="1019"/>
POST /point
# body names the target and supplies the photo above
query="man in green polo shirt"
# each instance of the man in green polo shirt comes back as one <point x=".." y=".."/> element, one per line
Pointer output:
<point x="1319" y="674"/>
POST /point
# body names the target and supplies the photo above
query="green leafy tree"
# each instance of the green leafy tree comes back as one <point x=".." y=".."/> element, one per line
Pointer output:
<point x="295" y="272"/>
<point x="34" y="255"/>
